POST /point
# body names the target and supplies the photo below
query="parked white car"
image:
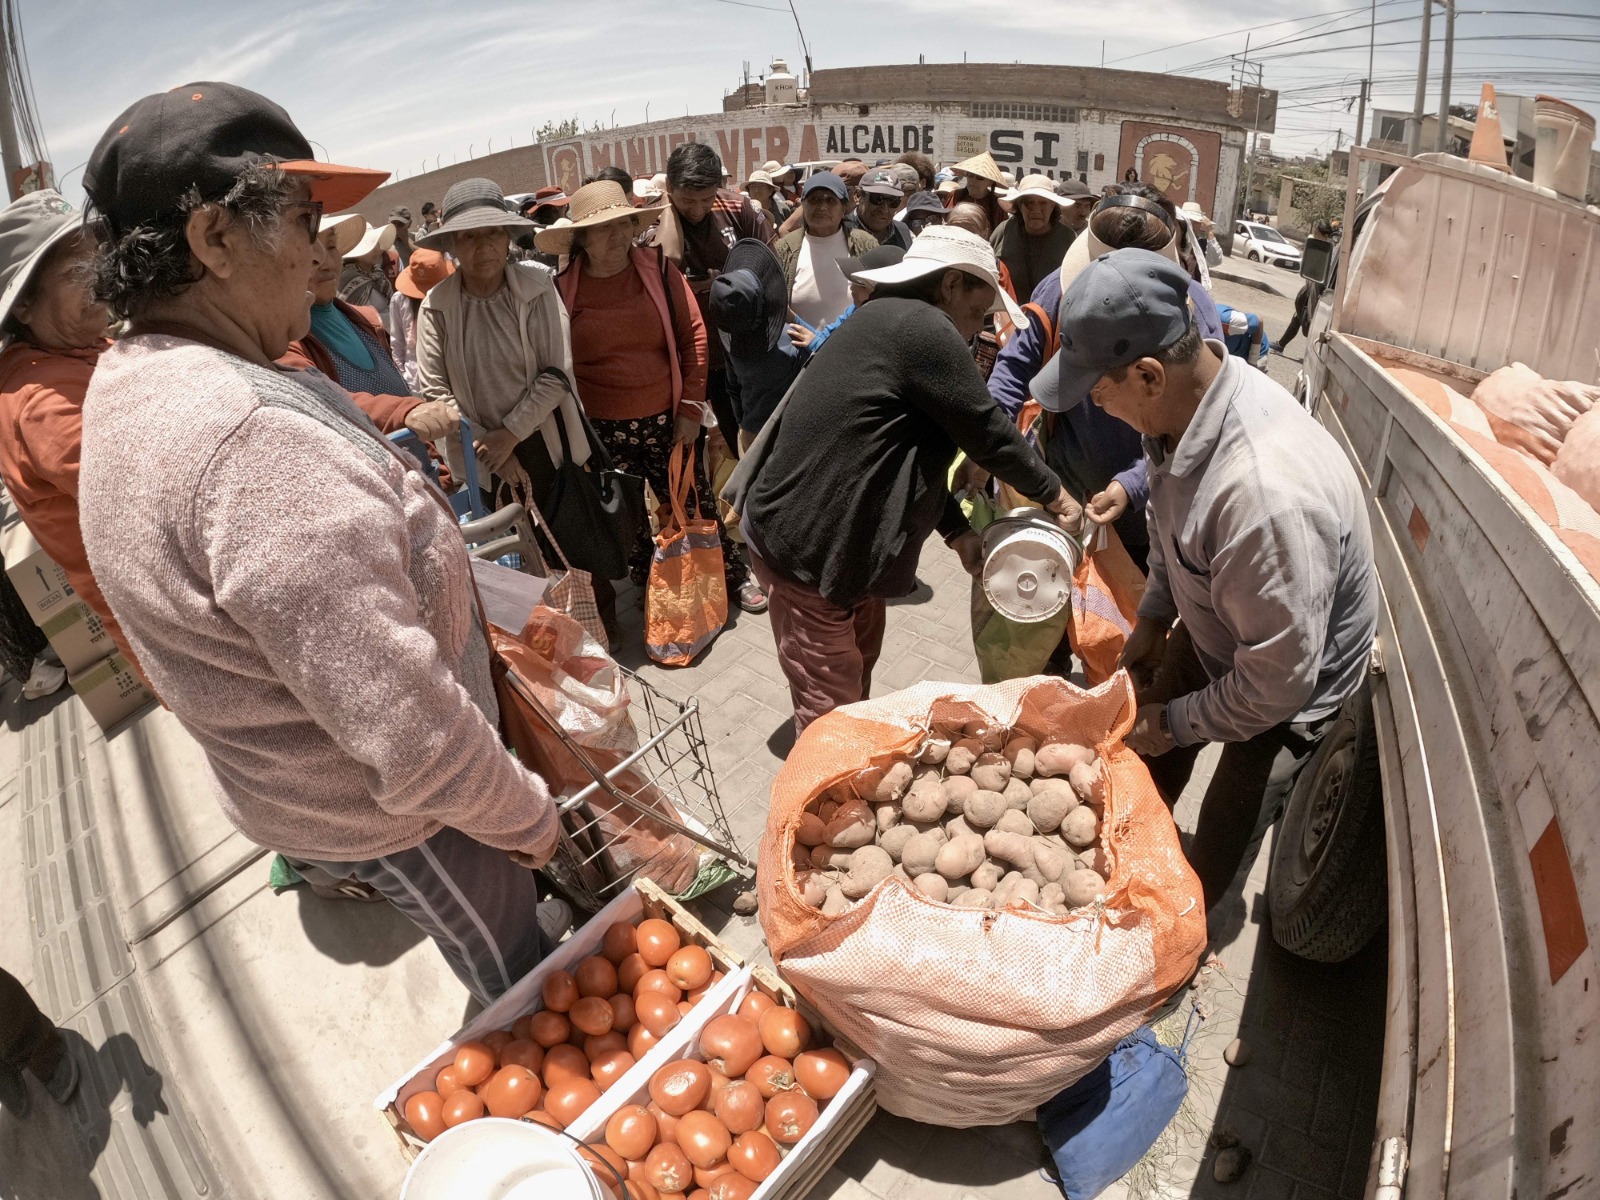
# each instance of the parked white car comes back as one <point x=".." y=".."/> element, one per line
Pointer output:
<point x="1263" y="243"/>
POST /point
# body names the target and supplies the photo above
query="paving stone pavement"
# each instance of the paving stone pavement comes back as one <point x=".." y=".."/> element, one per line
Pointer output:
<point x="1303" y="1105"/>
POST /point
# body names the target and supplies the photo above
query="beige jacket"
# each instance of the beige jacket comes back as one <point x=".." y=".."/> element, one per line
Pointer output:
<point x="546" y="342"/>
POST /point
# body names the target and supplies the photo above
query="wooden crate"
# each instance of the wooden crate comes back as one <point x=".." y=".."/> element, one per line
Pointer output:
<point x="643" y="899"/>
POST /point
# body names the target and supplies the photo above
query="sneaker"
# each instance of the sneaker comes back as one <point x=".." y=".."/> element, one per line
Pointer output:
<point x="751" y="598"/>
<point x="14" y="1097"/>
<point x="46" y="679"/>
<point x="555" y="919"/>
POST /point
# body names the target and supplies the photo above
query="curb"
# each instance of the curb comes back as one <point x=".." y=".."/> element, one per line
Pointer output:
<point x="1246" y="281"/>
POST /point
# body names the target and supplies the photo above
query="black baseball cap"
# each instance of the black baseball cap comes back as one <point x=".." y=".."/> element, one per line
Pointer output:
<point x="880" y="181"/>
<point x="1122" y="307"/>
<point x="202" y="136"/>
<point x="872" y="260"/>
<point x="926" y="202"/>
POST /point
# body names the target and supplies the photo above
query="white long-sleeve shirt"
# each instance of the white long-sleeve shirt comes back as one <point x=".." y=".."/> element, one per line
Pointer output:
<point x="1259" y="541"/>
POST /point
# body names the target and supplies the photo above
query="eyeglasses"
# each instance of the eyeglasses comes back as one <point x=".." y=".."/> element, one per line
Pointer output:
<point x="314" y="209"/>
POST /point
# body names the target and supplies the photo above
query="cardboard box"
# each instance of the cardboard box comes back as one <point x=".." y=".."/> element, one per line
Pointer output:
<point x="79" y="637"/>
<point x="111" y="690"/>
<point x="38" y="578"/>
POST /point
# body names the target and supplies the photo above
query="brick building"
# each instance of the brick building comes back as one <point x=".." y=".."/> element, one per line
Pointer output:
<point x="1186" y="136"/>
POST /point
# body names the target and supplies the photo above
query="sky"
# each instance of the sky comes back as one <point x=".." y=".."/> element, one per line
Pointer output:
<point x="401" y="84"/>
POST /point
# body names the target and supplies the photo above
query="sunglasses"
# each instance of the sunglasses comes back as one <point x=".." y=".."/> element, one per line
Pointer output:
<point x="882" y="201"/>
<point x="313" y="217"/>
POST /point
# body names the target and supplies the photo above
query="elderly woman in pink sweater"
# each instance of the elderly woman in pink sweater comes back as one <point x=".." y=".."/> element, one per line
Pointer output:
<point x="315" y="631"/>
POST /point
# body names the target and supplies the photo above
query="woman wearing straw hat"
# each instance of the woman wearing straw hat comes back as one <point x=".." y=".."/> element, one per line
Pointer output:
<point x="493" y="342"/>
<point x="638" y="354"/>
<point x="411" y="287"/>
<point x="363" y="281"/>
<point x="852" y="479"/>
<point x="348" y="345"/>
<point x="55" y="332"/>
<point x="1033" y="240"/>
<point x="978" y="178"/>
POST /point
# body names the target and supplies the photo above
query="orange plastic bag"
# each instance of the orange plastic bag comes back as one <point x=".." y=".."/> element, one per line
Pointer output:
<point x="1106" y="590"/>
<point x="555" y="672"/>
<point x="686" y="601"/>
<point x="975" y="1017"/>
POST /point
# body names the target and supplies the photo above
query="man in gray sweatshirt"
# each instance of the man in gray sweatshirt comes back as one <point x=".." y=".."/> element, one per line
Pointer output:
<point x="1259" y="547"/>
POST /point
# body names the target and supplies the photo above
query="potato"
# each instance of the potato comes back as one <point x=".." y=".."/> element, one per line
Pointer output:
<point x="1019" y="753"/>
<point x="811" y="831"/>
<point x="853" y="825"/>
<point x="926" y="801"/>
<point x="933" y="829"/>
<point x="1017" y="794"/>
<point x="991" y="772"/>
<point x="894" y="840"/>
<point x="1012" y="848"/>
<point x="959" y="857"/>
<point x="1041" y="785"/>
<point x="1081" y="827"/>
<point x="827" y="809"/>
<point x="957" y="825"/>
<point x="834" y="903"/>
<point x="800" y="857"/>
<point x="956" y="892"/>
<point x="869" y="866"/>
<point x="1051" y="895"/>
<point x="887" y="816"/>
<point x="813" y="888"/>
<point x="1049" y="861"/>
<point x="987" y="876"/>
<point x="934" y="750"/>
<point x="893" y="783"/>
<point x="974" y="898"/>
<point x="1094" y="859"/>
<point x="1012" y="821"/>
<point x="932" y="885"/>
<point x="1022" y="891"/>
<point x="983" y="809"/>
<point x="962" y="755"/>
<point x="1049" y="808"/>
<point x="1060" y="757"/>
<point x="1081" y="887"/>
<point x="1088" y="782"/>
<point x="899" y="872"/>
<point x="919" y="853"/>
<point x="956" y="790"/>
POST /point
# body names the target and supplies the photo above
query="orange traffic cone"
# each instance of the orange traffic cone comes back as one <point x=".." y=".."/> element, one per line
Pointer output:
<point x="1488" y="144"/>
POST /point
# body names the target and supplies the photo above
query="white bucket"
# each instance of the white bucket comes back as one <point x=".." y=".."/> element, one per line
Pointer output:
<point x="1563" y="139"/>
<point x="1028" y="564"/>
<point x="496" y="1159"/>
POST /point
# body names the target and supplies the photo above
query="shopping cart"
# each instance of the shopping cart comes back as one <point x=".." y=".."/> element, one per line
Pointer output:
<point x="654" y="795"/>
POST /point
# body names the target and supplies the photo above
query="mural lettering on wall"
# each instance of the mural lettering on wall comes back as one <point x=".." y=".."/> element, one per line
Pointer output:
<point x="1181" y="163"/>
<point x="1032" y="152"/>
<point x="853" y="141"/>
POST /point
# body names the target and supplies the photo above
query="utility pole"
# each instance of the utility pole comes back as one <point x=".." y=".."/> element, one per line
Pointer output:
<point x="1255" y="134"/>
<point x="1414" y="139"/>
<point x="10" y="152"/>
<point x="1442" y="143"/>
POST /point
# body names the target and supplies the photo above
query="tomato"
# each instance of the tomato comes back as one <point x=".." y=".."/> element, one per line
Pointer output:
<point x="657" y="980"/>
<point x="790" y="1116"/>
<point x="560" y="991"/>
<point x="631" y="1131"/>
<point x="596" y="1044"/>
<point x="784" y="1032"/>
<point x="549" y="1028"/>
<point x="740" y="1106"/>
<point x="656" y="1012"/>
<point x="566" y="1101"/>
<point x="522" y="1054"/>
<point x="623" y="1013"/>
<point x="564" y="1063"/>
<point x="424" y="1115"/>
<point x="821" y="1072"/>
<point x="512" y="1092"/>
<point x="596" y="977"/>
<point x="754" y="1005"/>
<point x="658" y="941"/>
<point x="461" y="1106"/>
<point x="592" y="1015"/>
<point x="496" y="1041"/>
<point x="474" y="1063"/>
<point x="680" y="1086"/>
<point x="703" y="1138"/>
<point x="619" y="941"/>
<point x="771" y="1075"/>
<point x="667" y="1168"/>
<point x="610" y="1067"/>
<point x="754" y="1155"/>
<point x="448" y="1080"/>
<point x="629" y="971"/>
<point x="689" y="968"/>
<point x="731" y="1044"/>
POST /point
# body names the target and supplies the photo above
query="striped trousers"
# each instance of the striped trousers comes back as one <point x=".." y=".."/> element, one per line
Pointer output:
<point x="476" y="904"/>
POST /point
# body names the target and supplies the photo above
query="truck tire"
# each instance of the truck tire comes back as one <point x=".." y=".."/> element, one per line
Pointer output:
<point x="1326" y="887"/>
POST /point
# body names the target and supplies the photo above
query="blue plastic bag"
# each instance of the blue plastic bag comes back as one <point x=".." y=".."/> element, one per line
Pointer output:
<point x="1098" y="1129"/>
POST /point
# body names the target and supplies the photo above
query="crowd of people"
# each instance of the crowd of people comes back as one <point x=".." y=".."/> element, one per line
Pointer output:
<point x="220" y="317"/>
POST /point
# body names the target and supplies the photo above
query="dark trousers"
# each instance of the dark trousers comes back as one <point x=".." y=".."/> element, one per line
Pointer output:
<point x="477" y="905"/>
<point x="643" y="447"/>
<point x="21" y="641"/>
<point x="1250" y="776"/>
<point x="28" y="1038"/>
<point x="827" y="652"/>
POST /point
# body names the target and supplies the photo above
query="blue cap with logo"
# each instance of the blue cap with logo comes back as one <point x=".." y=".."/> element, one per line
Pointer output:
<point x="825" y="179"/>
<point x="1122" y="307"/>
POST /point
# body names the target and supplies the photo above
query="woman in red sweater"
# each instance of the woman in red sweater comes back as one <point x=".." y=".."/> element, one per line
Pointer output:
<point x="638" y="354"/>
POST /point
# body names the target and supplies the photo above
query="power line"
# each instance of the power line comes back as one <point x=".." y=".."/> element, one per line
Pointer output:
<point x="1246" y="29"/>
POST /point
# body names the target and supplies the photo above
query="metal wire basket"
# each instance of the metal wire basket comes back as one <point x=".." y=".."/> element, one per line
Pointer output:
<point x="664" y="788"/>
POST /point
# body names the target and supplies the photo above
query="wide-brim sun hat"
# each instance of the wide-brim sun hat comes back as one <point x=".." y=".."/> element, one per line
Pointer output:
<point x="646" y="189"/>
<point x="350" y="228"/>
<point x="29" y="229"/>
<point x="944" y="248"/>
<point x="760" y="177"/>
<point x="472" y="204"/>
<point x="982" y="165"/>
<point x="426" y="268"/>
<point x="750" y="299"/>
<point x="1088" y="246"/>
<point x="1041" y="186"/>
<point x="376" y="238"/>
<point x="946" y="186"/>
<point x="599" y="203"/>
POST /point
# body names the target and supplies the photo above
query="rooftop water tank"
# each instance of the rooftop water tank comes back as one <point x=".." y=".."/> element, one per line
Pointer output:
<point x="781" y="86"/>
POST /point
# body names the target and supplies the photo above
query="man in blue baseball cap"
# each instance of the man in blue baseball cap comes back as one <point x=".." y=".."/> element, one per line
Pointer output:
<point x="1259" y="542"/>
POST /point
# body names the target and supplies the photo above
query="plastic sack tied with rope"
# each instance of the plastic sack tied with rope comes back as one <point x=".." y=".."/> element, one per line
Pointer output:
<point x="976" y="1017"/>
<point x="554" y="671"/>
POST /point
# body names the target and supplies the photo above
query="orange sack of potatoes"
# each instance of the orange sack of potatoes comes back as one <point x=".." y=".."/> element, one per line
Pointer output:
<point x="977" y="1017"/>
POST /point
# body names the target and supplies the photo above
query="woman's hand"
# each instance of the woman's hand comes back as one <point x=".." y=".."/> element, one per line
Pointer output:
<point x="801" y="336"/>
<point x="1105" y="507"/>
<point x="685" y="430"/>
<point x="1067" y="511"/>
<point x="495" y="447"/>
<point x="431" y="420"/>
<point x="969" y="549"/>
